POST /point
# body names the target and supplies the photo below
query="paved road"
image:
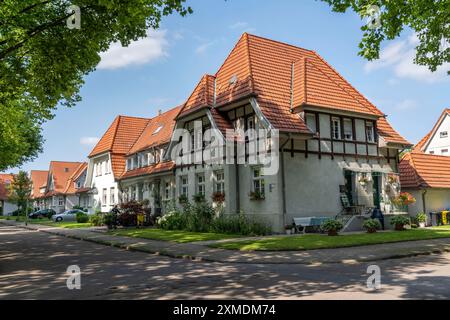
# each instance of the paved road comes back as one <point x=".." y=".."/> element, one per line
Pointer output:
<point x="33" y="266"/>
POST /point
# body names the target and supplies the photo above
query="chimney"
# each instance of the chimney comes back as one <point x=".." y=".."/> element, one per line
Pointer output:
<point x="159" y="112"/>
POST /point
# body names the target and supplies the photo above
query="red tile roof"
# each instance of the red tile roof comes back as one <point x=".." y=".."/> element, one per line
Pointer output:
<point x="70" y="186"/>
<point x="150" y="137"/>
<point x="62" y="172"/>
<point x="158" y="168"/>
<point x="282" y="77"/>
<point x="420" y="146"/>
<point x="38" y="178"/>
<point x="5" y="180"/>
<point x="202" y="96"/>
<point x="419" y="170"/>
<point x="120" y="136"/>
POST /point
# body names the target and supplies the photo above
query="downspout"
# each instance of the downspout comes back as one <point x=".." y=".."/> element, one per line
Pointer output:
<point x="283" y="179"/>
<point x="424" y="206"/>
<point x="238" y="197"/>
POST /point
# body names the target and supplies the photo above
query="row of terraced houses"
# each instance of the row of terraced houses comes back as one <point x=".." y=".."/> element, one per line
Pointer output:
<point x="332" y="142"/>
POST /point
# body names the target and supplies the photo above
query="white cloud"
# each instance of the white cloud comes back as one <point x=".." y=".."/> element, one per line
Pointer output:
<point x="139" y="52"/>
<point x="239" y="25"/>
<point x="201" y="49"/>
<point x="407" y="104"/>
<point x="399" y="56"/>
<point x="89" y="141"/>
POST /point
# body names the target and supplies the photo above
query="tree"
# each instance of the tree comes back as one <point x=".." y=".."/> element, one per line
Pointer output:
<point x="20" y="190"/>
<point x="429" y="19"/>
<point x="43" y="61"/>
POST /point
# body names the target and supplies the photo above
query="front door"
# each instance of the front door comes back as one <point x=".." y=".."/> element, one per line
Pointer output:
<point x="376" y="191"/>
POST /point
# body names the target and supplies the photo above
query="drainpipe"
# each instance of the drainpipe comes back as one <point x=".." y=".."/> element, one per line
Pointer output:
<point x="238" y="198"/>
<point x="283" y="179"/>
<point x="424" y="206"/>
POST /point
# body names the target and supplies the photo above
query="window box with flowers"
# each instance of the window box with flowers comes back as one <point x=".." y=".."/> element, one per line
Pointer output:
<point x="256" y="196"/>
<point x="218" y="197"/>
<point x="403" y="200"/>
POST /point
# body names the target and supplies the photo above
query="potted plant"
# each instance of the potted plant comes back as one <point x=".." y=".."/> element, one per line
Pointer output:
<point x="400" y="222"/>
<point x="372" y="225"/>
<point x="218" y="197"/>
<point x="256" y="196"/>
<point x="198" y="198"/>
<point x="332" y="227"/>
<point x="403" y="200"/>
<point x="289" y="228"/>
<point x="183" y="199"/>
<point x="421" y="219"/>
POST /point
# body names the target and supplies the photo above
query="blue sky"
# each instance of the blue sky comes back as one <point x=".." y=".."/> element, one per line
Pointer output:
<point x="161" y="71"/>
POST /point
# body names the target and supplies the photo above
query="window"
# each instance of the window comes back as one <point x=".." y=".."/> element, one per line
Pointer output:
<point x="370" y="135"/>
<point x="104" y="196"/>
<point x="199" y="140"/>
<point x="167" y="191"/>
<point x="431" y="152"/>
<point x="112" y="196"/>
<point x="129" y="164"/>
<point x="192" y="146"/>
<point x="150" y="158"/>
<point x="311" y="122"/>
<point x="251" y="128"/>
<point x="184" y="186"/>
<point x="219" y="183"/>
<point x="157" y="157"/>
<point x="258" y="182"/>
<point x="444" y="151"/>
<point x="60" y="201"/>
<point x="201" y="184"/>
<point x="78" y="184"/>
<point x="133" y="193"/>
<point x="157" y="130"/>
<point x="444" y="134"/>
<point x="348" y="129"/>
<point x="108" y="167"/>
<point x="335" y="128"/>
<point x="55" y="201"/>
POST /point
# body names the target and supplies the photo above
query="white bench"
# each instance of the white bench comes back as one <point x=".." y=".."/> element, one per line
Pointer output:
<point x="303" y="222"/>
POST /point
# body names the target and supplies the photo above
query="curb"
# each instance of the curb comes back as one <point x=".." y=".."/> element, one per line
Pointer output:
<point x="139" y="247"/>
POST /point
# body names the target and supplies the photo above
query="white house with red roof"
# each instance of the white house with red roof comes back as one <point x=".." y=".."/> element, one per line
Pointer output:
<point x="332" y="140"/>
<point x="437" y="141"/>
<point x="6" y="207"/>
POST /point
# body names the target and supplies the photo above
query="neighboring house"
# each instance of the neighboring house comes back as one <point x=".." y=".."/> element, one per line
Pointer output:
<point x="61" y="190"/>
<point x="39" y="183"/>
<point x="427" y="178"/>
<point x="332" y="139"/>
<point x="147" y="176"/>
<point x="107" y="162"/>
<point x="6" y="207"/>
<point x="438" y="140"/>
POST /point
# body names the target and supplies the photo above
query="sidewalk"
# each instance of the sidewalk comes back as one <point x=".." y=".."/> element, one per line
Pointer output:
<point x="200" y="252"/>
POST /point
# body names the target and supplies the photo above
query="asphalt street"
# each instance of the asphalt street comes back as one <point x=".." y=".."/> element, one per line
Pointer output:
<point x="33" y="265"/>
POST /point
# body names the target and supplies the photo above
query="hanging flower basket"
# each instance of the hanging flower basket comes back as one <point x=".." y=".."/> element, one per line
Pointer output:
<point x="218" y="197"/>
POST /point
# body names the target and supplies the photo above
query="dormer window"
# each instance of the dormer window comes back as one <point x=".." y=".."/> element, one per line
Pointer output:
<point x="157" y="130"/>
<point x="129" y="164"/>
<point x="150" y="158"/>
<point x="444" y="134"/>
<point x="370" y="132"/>
<point x="336" y="128"/>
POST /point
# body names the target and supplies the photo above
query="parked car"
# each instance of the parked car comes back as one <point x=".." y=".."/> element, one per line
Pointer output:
<point x="69" y="215"/>
<point x="44" y="213"/>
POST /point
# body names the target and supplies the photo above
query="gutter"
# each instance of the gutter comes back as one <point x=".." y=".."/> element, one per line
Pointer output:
<point x="283" y="179"/>
<point x="424" y="206"/>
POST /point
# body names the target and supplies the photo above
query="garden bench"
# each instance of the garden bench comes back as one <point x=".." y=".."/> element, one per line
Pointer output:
<point x="305" y="222"/>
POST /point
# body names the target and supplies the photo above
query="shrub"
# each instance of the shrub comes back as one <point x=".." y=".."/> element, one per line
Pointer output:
<point x="421" y="217"/>
<point x="199" y="217"/>
<point x="127" y="219"/>
<point x="82" y="217"/>
<point x="372" y="225"/>
<point x="239" y="224"/>
<point x="400" y="222"/>
<point x="110" y="220"/>
<point x="218" y="197"/>
<point x="198" y="198"/>
<point x="183" y="199"/>
<point x="174" y="220"/>
<point x="79" y="208"/>
<point x="332" y="227"/>
<point x="97" y="220"/>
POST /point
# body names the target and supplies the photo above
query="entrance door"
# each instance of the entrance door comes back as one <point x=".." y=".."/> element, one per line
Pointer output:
<point x="349" y="186"/>
<point x="376" y="191"/>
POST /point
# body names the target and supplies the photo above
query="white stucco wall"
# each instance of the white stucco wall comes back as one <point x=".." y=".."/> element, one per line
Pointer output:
<point x="8" y="208"/>
<point x="435" y="200"/>
<point x="437" y="144"/>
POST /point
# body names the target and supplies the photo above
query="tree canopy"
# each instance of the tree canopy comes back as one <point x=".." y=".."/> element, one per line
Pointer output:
<point x="429" y="19"/>
<point x="20" y="190"/>
<point x="43" y="61"/>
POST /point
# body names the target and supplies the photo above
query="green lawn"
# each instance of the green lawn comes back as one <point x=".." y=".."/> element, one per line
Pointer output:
<point x="316" y="241"/>
<point x="175" y="236"/>
<point x="47" y="222"/>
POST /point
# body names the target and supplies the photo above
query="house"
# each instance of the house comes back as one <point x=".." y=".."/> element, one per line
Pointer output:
<point x="60" y="190"/>
<point x="328" y="138"/>
<point x="437" y="141"/>
<point x="38" y="183"/>
<point x="6" y="207"/>
<point x="427" y="178"/>
<point x="147" y="176"/>
<point x="107" y="162"/>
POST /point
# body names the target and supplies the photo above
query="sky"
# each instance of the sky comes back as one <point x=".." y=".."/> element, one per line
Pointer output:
<point x="160" y="71"/>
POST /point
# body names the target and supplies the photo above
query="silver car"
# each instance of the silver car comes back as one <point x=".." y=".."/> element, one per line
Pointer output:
<point x="69" y="215"/>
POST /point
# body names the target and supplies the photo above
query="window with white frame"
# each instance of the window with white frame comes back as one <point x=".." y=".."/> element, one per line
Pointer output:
<point x="444" y="134"/>
<point x="55" y="201"/>
<point x="133" y="193"/>
<point x="104" y="197"/>
<point x="112" y="196"/>
<point x="251" y="127"/>
<point x="184" y="186"/>
<point x="219" y="181"/>
<point x="444" y="151"/>
<point x="167" y="189"/>
<point x="201" y="184"/>
<point x="129" y="164"/>
<point x="348" y="129"/>
<point x="258" y="182"/>
<point x="157" y="156"/>
<point x="60" y="201"/>
<point x="199" y="140"/>
<point x="335" y="128"/>
<point x="150" y="158"/>
<point x="370" y="132"/>
<point x="311" y="122"/>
